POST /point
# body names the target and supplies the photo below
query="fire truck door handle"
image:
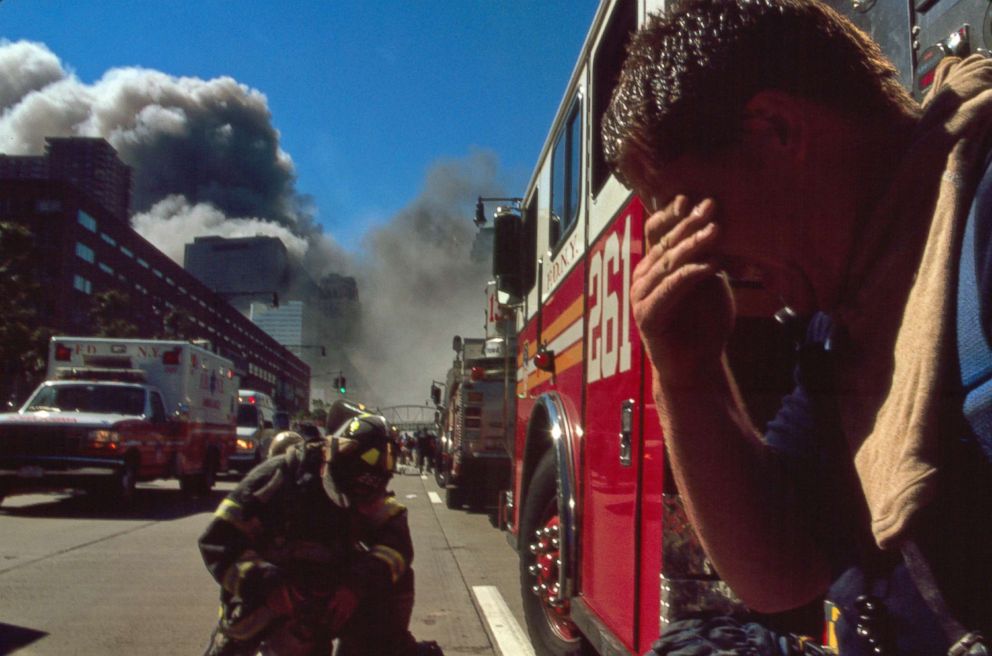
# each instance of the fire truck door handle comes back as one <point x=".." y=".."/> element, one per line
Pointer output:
<point x="626" y="431"/>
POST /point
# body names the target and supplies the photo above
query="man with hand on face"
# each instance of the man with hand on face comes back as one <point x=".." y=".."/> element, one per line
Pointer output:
<point x="310" y="547"/>
<point x="773" y="135"/>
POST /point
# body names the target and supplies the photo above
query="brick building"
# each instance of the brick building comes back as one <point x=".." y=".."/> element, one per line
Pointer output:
<point x="84" y="245"/>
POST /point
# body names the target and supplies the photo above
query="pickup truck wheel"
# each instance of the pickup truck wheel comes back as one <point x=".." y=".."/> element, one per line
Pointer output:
<point x="209" y="476"/>
<point x="201" y="483"/>
<point x="120" y="487"/>
<point x="549" y="621"/>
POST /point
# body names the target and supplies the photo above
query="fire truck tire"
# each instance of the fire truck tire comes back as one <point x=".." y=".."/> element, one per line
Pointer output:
<point x="551" y="630"/>
<point x="454" y="497"/>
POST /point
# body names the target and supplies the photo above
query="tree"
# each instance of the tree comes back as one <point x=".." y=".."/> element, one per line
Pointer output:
<point x="23" y="340"/>
<point x="176" y="324"/>
<point x="110" y="314"/>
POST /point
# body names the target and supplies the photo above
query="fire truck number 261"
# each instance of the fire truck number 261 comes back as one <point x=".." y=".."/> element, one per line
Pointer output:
<point x="608" y="347"/>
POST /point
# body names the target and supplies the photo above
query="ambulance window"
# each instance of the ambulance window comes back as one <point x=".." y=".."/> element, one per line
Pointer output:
<point x="247" y="415"/>
<point x="606" y="65"/>
<point x="565" y="170"/>
<point x="158" y="409"/>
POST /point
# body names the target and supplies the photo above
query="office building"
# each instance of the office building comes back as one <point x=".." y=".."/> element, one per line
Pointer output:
<point x="83" y="248"/>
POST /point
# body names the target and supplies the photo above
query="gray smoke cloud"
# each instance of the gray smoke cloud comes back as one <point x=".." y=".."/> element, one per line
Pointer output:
<point x="420" y="284"/>
<point x="207" y="160"/>
<point x="173" y="222"/>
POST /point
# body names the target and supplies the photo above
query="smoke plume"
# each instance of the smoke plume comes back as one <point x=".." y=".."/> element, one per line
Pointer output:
<point x="206" y="160"/>
<point x="420" y="284"/>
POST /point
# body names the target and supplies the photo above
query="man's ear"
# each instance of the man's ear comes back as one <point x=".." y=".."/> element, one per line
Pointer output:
<point x="777" y="122"/>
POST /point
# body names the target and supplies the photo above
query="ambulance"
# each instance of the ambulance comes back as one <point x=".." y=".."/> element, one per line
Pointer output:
<point x="113" y="412"/>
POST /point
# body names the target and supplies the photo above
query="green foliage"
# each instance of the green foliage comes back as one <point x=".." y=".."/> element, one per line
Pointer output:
<point x="176" y="324"/>
<point x="111" y="311"/>
<point x="23" y="340"/>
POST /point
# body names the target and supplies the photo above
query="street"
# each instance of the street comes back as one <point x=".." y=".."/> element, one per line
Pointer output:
<point x="80" y="578"/>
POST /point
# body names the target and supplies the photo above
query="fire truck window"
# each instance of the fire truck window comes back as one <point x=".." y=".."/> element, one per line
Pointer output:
<point x="565" y="169"/>
<point x="606" y="64"/>
<point x="530" y="245"/>
<point x="158" y="409"/>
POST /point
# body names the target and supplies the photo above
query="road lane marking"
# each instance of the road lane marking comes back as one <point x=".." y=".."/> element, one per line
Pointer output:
<point x="434" y="496"/>
<point x="510" y="639"/>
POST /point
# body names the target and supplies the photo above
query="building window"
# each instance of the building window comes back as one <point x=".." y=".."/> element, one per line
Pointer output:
<point x="48" y="206"/>
<point x="84" y="252"/>
<point x="106" y="268"/>
<point x="127" y="251"/>
<point x="142" y="262"/>
<point x="157" y="272"/>
<point x="82" y="284"/>
<point x="107" y="238"/>
<point x="86" y="221"/>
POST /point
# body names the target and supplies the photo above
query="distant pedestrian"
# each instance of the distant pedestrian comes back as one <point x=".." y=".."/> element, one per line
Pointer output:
<point x="423" y="450"/>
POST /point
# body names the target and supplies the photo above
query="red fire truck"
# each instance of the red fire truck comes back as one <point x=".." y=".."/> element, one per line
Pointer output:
<point x="606" y="554"/>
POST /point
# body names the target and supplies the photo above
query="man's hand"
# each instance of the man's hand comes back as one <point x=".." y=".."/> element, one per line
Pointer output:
<point x="682" y="306"/>
<point x="340" y="607"/>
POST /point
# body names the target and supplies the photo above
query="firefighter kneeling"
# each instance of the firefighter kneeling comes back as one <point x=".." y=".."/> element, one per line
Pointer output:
<point x="310" y="548"/>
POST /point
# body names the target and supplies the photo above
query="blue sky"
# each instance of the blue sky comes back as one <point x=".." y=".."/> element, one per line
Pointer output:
<point x="366" y="95"/>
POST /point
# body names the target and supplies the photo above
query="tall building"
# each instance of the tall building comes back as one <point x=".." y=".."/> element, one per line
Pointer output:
<point x="249" y="270"/>
<point x="82" y="248"/>
<point x="92" y="165"/>
<point x="243" y="269"/>
<point x="88" y="164"/>
<point x="289" y="323"/>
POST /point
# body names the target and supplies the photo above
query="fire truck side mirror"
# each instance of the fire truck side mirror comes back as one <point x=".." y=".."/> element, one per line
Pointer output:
<point x="508" y="253"/>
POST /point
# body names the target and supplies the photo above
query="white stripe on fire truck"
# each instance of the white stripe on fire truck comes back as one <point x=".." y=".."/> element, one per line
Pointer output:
<point x="567" y="337"/>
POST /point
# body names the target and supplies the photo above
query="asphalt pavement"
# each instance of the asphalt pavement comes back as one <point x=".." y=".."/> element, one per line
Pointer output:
<point x="80" y="577"/>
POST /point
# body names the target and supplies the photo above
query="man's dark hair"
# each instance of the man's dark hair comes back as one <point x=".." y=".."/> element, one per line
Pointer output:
<point x="691" y="70"/>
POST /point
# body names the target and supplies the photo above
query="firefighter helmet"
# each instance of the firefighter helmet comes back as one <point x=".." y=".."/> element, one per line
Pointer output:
<point x="360" y="459"/>
<point x="282" y="441"/>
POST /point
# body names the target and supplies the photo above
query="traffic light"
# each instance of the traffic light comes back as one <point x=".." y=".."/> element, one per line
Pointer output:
<point x="341" y="384"/>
